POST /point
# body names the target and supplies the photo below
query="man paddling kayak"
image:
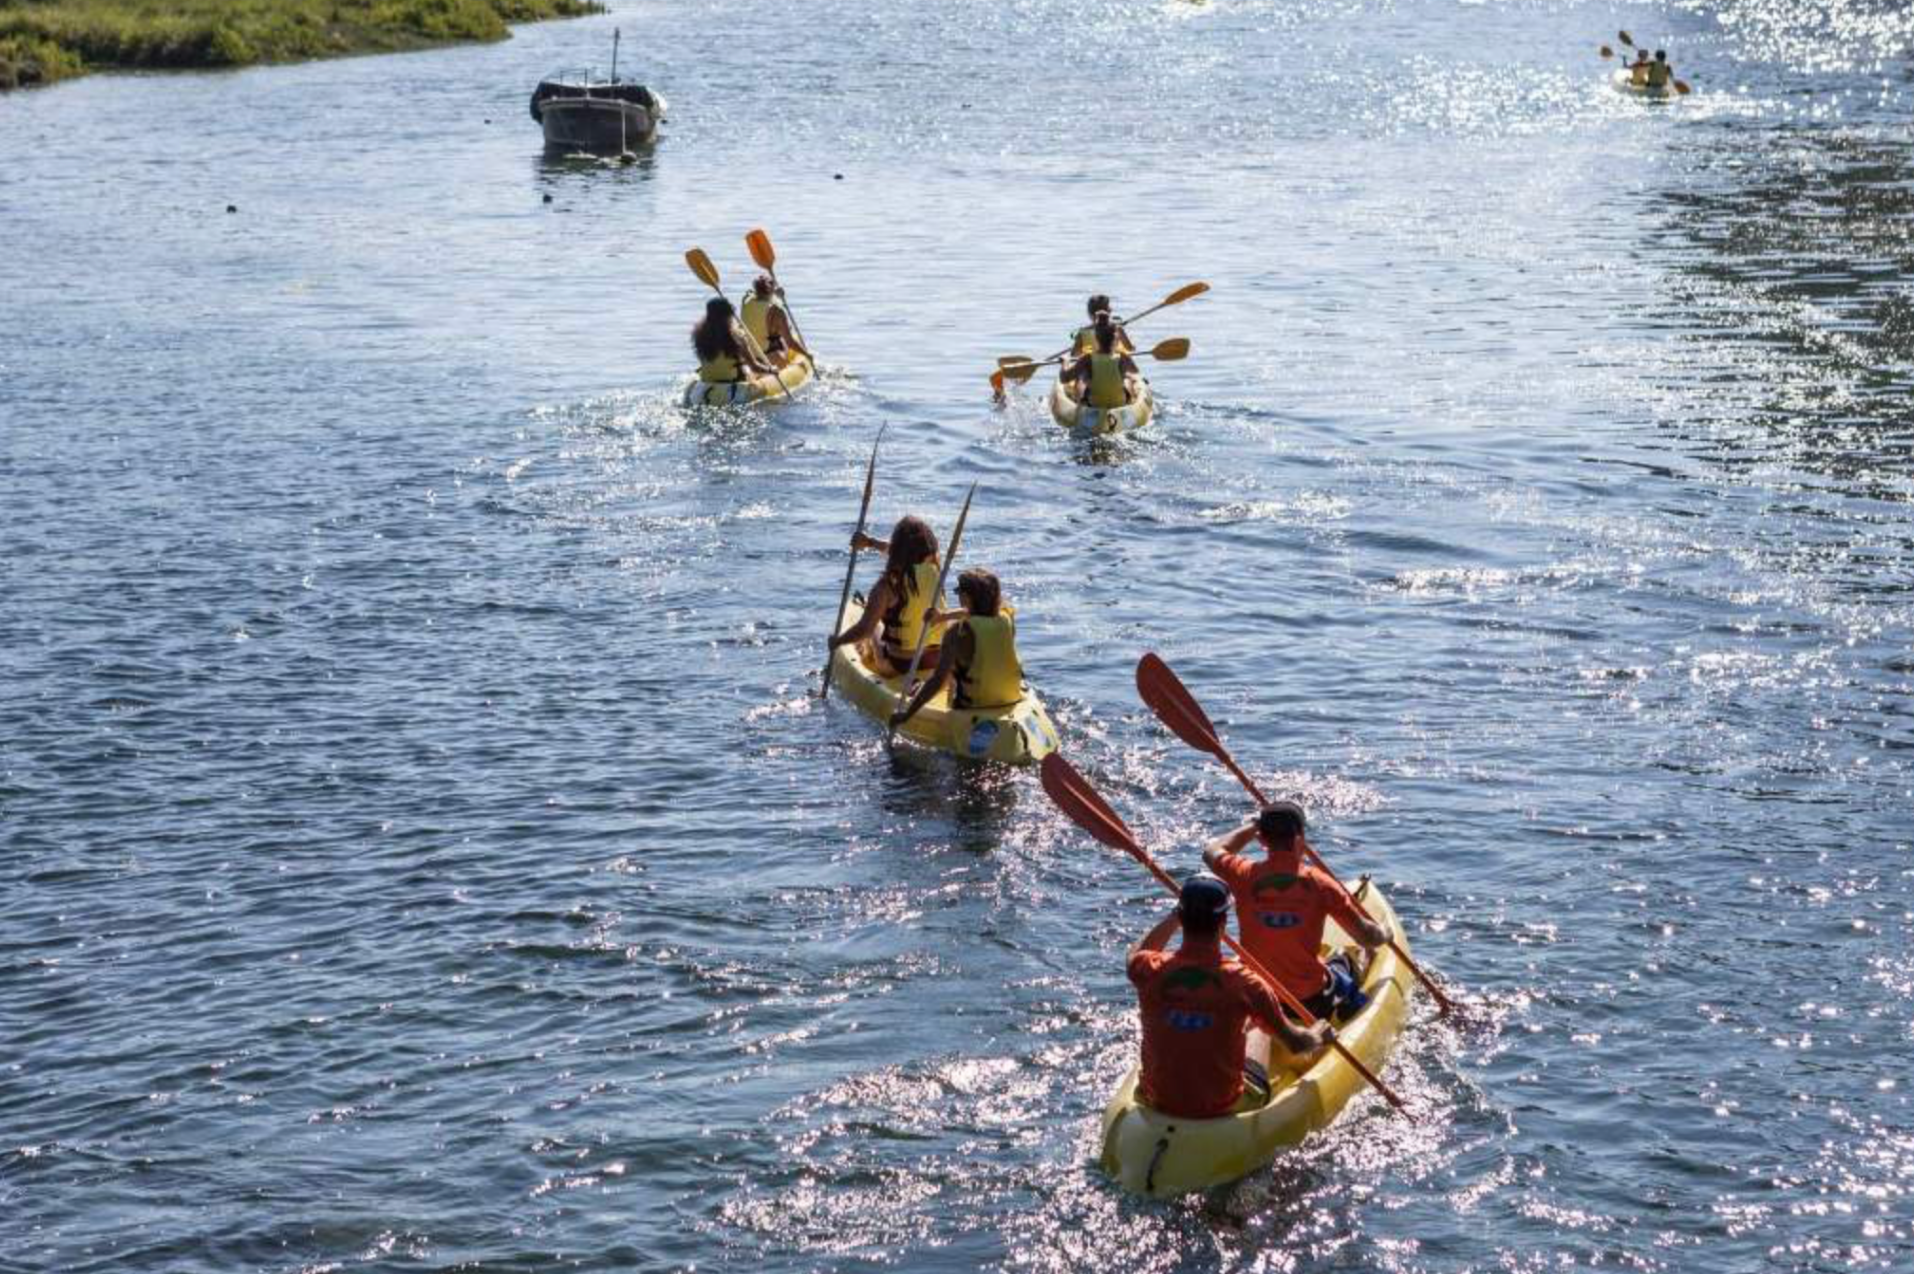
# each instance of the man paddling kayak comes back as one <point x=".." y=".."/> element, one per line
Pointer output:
<point x="1195" y="1004"/>
<point x="901" y="598"/>
<point x="1103" y="377"/>
<point x="1282" y="904"/>
<point x="1659" y="74"/>
<point x="766" y="318"/>
<point x="979" y="652"/>
<point x="1638" y="69"/>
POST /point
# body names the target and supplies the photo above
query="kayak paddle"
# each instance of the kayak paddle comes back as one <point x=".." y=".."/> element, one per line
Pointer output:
<point x="1177" y="708"/>
<point x="767" y="258"/>
<point x="1076" y="798"/>
<point x="1175" y="349"/>
<point x="1182" y="294"/>
<point x="850" y="572"/>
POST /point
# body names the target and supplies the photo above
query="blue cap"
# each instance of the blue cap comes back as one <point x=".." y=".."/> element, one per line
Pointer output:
<point x="1204" y="899"/>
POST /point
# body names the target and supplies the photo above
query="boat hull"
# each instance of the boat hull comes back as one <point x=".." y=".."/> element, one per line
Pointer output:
<point x="1154" y="1154"/>
<point x="1020" y="734"/>
<point x="1624" y="83"/>
<point x="796" y="372"/>
<point x="1090" y="422"/>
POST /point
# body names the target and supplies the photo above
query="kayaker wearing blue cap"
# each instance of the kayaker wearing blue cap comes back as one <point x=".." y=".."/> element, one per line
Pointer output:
<point x="1195" y="1004"/>
<point x="979" y="652"/>
<point x="1282" y="904"/>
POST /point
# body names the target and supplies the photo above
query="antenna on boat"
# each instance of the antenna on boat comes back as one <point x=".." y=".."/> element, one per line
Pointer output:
<point x="614" y="55"/>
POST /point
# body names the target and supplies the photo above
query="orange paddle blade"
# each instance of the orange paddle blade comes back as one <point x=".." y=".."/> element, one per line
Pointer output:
<point x="701" y="266"/>
<point x="1170" y="351"/>
<point x="1184" y="293"/>
<point x="1626" y="38"/>
<point x="1607" y="52"/>
<point x="761" y="250"/>
<point x="1174" y="705"/>
<point x="1076" y="798"/>
<point x="1681" y="86"/>
<point x="1011" y="360"/>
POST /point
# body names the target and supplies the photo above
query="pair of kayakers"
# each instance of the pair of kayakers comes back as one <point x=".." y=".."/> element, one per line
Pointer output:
<point x="1102" y="374"/>
<point x="1646" y="72"/>
<point x="730" y="350"/>
<point x="973" y="649"/>
<point x="1195" y="1002"/>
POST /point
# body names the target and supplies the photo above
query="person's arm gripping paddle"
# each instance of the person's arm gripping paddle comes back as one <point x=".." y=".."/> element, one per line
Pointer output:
<point x="1076" y="798"/>
<point x="1177" y="708"/>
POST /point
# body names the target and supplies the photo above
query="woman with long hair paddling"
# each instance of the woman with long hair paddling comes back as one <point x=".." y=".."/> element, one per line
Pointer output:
<point x="901" y="601"/>
<point x="1104" y="378"/>
<point x="725" y="352"/>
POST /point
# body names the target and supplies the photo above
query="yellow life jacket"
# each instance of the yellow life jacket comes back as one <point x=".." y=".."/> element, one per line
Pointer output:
<point x="756" y="314"/>
<point x="1659" y="73"/>
<point x="905" y="619"/>
<point x="1106" y="382"/>
<point x="722" y="370"/>
<point x="1086" y="341"/>
<point x="992" y="678"/>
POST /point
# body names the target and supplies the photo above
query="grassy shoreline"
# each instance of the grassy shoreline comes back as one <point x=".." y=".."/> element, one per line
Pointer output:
<point x="44" y="41"/>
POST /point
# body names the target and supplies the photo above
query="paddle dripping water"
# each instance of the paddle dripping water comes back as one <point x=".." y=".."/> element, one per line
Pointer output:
<point x="420" y="837"/>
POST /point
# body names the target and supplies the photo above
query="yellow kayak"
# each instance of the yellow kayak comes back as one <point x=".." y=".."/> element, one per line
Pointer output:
<point x="794" y="373"/>
<point x="1624" y="82"/>
<point x="1073" y="415"/>
<point x="1020" y="734"/>
<point x="1155" y="1154"/>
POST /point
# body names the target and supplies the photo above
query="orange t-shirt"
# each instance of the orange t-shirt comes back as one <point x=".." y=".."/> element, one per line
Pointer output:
<point x="1281" y="906"/>
<point x="1194" y="1004"/>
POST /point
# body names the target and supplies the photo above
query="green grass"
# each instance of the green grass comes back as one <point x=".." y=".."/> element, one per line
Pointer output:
<point x="46" y="40"/>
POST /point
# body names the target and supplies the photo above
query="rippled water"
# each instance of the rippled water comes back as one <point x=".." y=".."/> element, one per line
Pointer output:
<point x="422" y="846"/>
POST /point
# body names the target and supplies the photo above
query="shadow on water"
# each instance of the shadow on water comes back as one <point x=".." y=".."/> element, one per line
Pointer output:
<point x="978" y="800"/>
<point x="557" y="171"/>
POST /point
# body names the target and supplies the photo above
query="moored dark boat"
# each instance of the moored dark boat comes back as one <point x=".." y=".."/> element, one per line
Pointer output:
<point x="604" y="115"/>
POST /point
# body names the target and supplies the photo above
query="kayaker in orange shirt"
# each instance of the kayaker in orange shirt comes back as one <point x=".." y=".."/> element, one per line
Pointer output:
<point x="1195" y="1004"/>
<point x="1282" y="904"/>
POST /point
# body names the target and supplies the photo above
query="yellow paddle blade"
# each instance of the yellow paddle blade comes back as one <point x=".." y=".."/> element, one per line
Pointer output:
<point x="1020" y="372"/>
<point x="1681" y="86"/>
<point x="1184" y="293"/>
<point x="701" y="266"/>
<point x="1011" y="360"/>
<point x="1177" y="347"/>
<point x="1607" y="52"/>
<point x="761" y="250"/>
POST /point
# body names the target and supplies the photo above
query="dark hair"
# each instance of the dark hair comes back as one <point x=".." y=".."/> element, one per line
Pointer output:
<point x="1098" y="304"/>
<point x="1280" y="823"/>
<point x="985" y="593"/>
<point x="1660" y="56"/>
<point x="763" y="287"/>
<point x="1106" y="330"/>
<point x="912" y="541"/>
<point x="713" y="335"/>
<point x="1202" y="904"/>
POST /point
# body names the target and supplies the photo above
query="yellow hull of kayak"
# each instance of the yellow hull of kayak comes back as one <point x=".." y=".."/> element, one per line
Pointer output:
<point x="1625" y="83"/>
<point x="1020" y="734"/>
<point x="792" y="376"/>
<point x="1092" y="421"/>
<point x="1159" y="1155"/>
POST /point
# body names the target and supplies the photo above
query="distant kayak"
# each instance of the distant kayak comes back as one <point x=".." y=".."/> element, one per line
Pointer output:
<point x="1156" y="1154"/>
<point x="1625" y="83"/>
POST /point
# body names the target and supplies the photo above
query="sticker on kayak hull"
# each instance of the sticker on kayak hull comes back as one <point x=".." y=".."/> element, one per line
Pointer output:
<point x="983" y="733"/>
